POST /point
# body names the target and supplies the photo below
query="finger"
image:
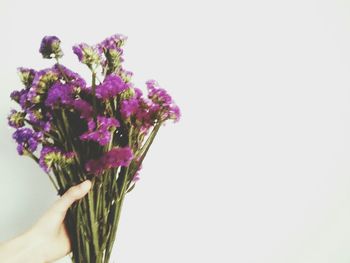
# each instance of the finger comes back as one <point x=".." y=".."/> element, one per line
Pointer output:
<point x="73" y="194"/>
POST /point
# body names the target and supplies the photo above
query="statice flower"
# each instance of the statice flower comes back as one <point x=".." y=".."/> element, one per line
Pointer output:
<point x="114" y="158"/>
<point x="43" y="80"/>
<point x="112" y="42"/>
<point x="111" y="87"/>
<point x="102" y="133"/>
<point x="50" y="47"/>
<point x="16" y="119"/>
<point x="162" y="101"/>
<point x="59" y="94"/>
<point x="129" y="107"/>
<point x="139" y="111"/>
<point x="37" y="119"/>
<point x="26" y="139"/>
<point x="84" y="130"/>
<point x="51" y="155"/>
<point x="126" y="75"/>
<point x="88" y="55"/>
<point x="84" y="108"/>
<point x="26" y="76"/>
<point x="68" y="75"/>
<point x="20" y="96"/>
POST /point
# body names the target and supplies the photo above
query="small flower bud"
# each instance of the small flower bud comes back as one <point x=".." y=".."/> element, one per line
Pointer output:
<point x="50" y="47"/>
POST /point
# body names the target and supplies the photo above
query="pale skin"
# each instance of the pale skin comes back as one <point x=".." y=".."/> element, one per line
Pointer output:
<point x="47" y="240"/>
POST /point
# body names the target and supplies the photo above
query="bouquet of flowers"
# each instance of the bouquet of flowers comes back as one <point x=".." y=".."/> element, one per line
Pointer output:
<point x="99" y="130"/>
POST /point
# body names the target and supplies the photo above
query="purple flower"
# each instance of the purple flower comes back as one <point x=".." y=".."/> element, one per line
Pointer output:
<point x="114" y="158"/>
<point x="26" y="139"/>
<point x="21" y="98"/>
<point x="16" y="119"/>
<point x="163" y="102"/>
<point x="26" y="75"/>
<point x="136" y="177"/>
<point x="50" y="47"/>
<point x="74" y="78"/>
<point x="111" y="48"/>
<point x="52" y="155"/>
<point x="87" y="55"/>
<point x="129" y="107"/>
<point x="40" y="121"/>
<point x="102" y="134"/>
<point x="43" y="80"/>
<point x="59" y="94"/>
<point x="85" y="109"/>
<point x="112" y="42"/>
<point x="111" y="87"/>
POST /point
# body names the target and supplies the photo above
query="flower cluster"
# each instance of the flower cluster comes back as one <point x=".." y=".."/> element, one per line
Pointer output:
<point x="50" y="47"/>
<point x="114" y="158"/>
<point x="26" y="139"/>
<point x="67" y="115"/>
<point x="100" y="129"/>
<point x="111" y="87"/>
<point x="87" y="54"/>
<point x="16" y="119"/>
<point x="52" y="155"/>
<point x="102" y="133"/>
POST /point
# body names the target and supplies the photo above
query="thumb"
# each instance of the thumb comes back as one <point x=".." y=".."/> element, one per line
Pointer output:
<point x="70" y="196"/>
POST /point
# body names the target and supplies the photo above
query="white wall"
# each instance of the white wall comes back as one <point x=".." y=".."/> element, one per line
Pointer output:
<point x="258" y="168"/>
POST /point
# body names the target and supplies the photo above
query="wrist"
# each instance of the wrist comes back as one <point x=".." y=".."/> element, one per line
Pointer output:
<point x="23" y="248"/>
<point x="32" y="247"/>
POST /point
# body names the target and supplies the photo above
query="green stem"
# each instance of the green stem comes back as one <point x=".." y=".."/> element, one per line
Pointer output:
<point x="94" y="232"/>
<point x="142" y="154"/>
<point x="94" y="93"/>
<point x="61" y="70"/>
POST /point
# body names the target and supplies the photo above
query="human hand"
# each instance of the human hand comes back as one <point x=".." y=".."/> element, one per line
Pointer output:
<point x="48" y="239"/>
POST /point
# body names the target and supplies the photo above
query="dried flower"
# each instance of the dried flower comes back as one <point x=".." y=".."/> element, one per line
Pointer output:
<point x="87" y="130"/>
<point x="26" y="139"/>
<point x="16" y="119"/>
<point x="111" y="87"/>
<point x="160" y="97"/>
<point x="102" y="134"/>
<point x="43" y="80"/>
<point x="26" y="76"/>
<point x="84" y="108"/>
<point x="59" y="94"/>
<point x="52" y="155"/>
<point x="114" y="158"/>
<point x="87" y="55"/>
<point x="50" y="47"/>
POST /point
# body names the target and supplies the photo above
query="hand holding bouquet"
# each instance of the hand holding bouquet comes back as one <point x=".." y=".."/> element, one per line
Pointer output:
<point x="99" y="129"/>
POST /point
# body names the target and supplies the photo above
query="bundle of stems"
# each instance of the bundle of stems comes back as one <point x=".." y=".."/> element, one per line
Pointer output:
<point x="100" y="131"/>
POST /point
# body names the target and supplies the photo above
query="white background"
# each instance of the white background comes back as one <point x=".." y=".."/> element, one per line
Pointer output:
<point x="258" y="168"/>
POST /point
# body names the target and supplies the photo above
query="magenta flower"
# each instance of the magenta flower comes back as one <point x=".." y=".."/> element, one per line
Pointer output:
<point x="162" y="100"/>
<point x="111" y="87"/>
<point x="85" y="128"/>
<point x="59" y="94"/>
<point x="84" y="108"/>
<point x="114" y="158"/>
<point x="101" y="135"/>
<point x="112" y="42"/>
<point x="74" y="78"/>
